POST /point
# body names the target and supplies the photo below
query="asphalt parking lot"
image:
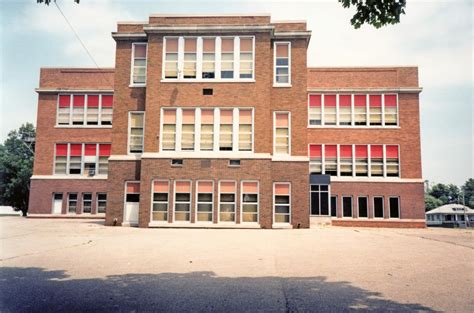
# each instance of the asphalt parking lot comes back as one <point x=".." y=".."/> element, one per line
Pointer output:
<point x="50" y="265"/>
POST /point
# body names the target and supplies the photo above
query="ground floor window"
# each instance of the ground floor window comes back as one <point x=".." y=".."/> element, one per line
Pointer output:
<point x="182" y="201"/>
<point x="227" y="203"/>
<point x="347" y="206"/>
<point x="362" y="206"/>
<point x="205" y="201"/>
<point x="101" y="202"/>
<point x="282" y="202"/>
<point x="249" y="201"/>
<point x="160" y="200"/>
<point x="394" y="203"/>
<point x="320" y="200"/>
<point x="87" y="202"/>
<point x="333" y="206"/>
<point x="378" y="207"/>
<point x="72" y="203"/>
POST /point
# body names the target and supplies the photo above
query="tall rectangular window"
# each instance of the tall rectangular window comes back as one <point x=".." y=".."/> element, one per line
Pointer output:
<point x="282" y="133"/>
<point x="315" y="117"/>
<point x="282" y="74"/>
<point x="205" y="201"/>
<point x="72" y="203"/>
<point x="346" y="206"/>
<point x="87" y="202"/>
<point x="168" y="140"/>
<point x="246" y="57"/>
<point x="190" y="58"/>
<point x="92" y="117"/>
<point x="101" y="202"/>
<point x="391" y="110"/>
<point x="227" y="58"/>
<point x="106" y="109"/>
<point x="160" y="200"/>
<point x="226" y="126"/>
<point x="315" y="159"/>
<point x="394" y="205"/>
<point x="104" y="154"/>
<point x="391" y="153"/>
<point x="346" y="160"/>
<point x="320" y="200"/>
<point x="75" y="159"/>
<point x="345" y="109"/>
<point x="139" y="63"/>
<point x="245" y="130"/>
<point x="227" y="201"/>
<point x="362" y="206"/>
<point x="376" y="160"/>
<point x="135" y="132"/>
<point x="375" y="105"/>
<point x="362" y="160"/>
<point x="330" y="113"/>
<point x="182" y="201"/>
<point x="360" y="110"/>
<point x="171" y="58"/>
<point x="378" y="207"/>
<point x="207" y="129"/>
<point x="334" y="206"/>
<point x="90" y="159"/>
<point x="64" y="109"/>
<point x="330" y="160"/>
<point x="281" y="202"/>
<point x="78" y="109"/>
<point x="249" y="201"/>
<point x="187" y="130"/>
<point x="208" y="58"/>
<point x="60" y="162"/>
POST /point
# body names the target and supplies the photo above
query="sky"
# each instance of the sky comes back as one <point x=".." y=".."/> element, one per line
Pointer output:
<point x="437" y="36"/>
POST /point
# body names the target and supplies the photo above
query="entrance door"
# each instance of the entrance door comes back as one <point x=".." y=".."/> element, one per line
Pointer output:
<point x="132" y="202"/>
<point x="57" y="203"/>
<point x="320" y="203"/>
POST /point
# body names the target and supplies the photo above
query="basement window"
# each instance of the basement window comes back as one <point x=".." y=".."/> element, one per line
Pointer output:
<point x="177" y="162"/>
<point x="234" y="162"/>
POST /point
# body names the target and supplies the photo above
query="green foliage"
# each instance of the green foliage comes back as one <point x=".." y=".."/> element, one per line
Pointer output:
<point x="446" y="193"/>
<point x="468" y="189"/>
<point x="16" y="166"/>
<point x="440" y="194"/>
<point x="432" y="202"/>
<point x="377" y="13"/>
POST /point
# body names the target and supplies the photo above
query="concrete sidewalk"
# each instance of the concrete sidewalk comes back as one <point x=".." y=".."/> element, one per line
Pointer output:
<point x="80" y="265"/>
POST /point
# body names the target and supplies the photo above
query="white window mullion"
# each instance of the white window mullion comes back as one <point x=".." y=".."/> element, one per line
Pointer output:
<point x="100" y="110"/>
<point x="70" y="108"/>
<point x="85" y="109"/>
<point x="197" y="130"/>
<point x="217" y="129"/>
<point x="235" y="130"/>
<point x="68" y="158"/>
<point x="369" y="162"/>
<point x="82" y="158"/>
<point x="367" y="110"/>
<point x="337" y="111"/>
<point x="179" y="125"/>
<point x="352" y="110"/>
<point x="353" y="161"/>
<point x="199" y="58"/>
<point x="383" y="110"/>
<point x="180" y="57"/>
<point x="218" y="58"/>
<point x="323" y="161"/>
<point x="236" y="57"/>
<point x="338" y="161"/>
<point x="384" y="162"/>
<point x="322" y="110"/>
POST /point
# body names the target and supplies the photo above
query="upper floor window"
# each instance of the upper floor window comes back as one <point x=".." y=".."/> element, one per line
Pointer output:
<point x="281" y="133"/>
<point x="353" y="110"/>
<point x="282" y="64"/>
<point x="88" y="159"/>
<point x="208" y="58"/>
<point x="84" y="110"/>
<point x="136" y="125"/>
<point x="139" y="54"/>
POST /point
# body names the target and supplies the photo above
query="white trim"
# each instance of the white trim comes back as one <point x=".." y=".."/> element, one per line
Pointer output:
<point x="275" y="83"/>
<point x="53" y="200"/>
<point x="129" y="35"/>
<point x="127" y="223"/>
<point x="219" y="201"/>
<point x="205" y="155"/>
<point x="275" y="224"/>
<point x="132" y="63"/>
<point x="197" y="202"/>
<point x="71" y="177"/>
<point x="125" y="157"/>
<point x="242" y="201"/>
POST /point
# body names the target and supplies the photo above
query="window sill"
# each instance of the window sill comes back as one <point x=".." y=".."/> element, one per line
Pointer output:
<point x="233" y="80"/>
<point x="352" y="127"/>
<point x="137" y="85"/>
<point x="84" y="126"/>
<point x="282" y="85"/>
<point x="282" y="225"/>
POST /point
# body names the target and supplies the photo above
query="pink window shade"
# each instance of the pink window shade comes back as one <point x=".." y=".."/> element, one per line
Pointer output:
<point x="345" y="151"/>
<point x="104" y="149"/>
<point x="207" y="116"/>
<point x="361" y="151"/>
<point x="227" y="45"/>
<point x="281" y="120"/>
<point x="188" y="116"/>
<point x="61" y="149"/>
<point x="390" y="100"/>
<point x="329" y="100"/>
<point x="92" y="101"/>
<point x="360" y="100"/>
<point x="315" y="100"/>
<point x="205" y="187"/>
<point x="315" y="151"/>
<point x="78" y="101"/>
<point x="64" y="101"/>
<point x="172" y="45"/>
<point x="107" y="101"/>
<point x="246" y="44"/>
<point x="376" y="151"/>
<point x="282" y="50"/>
<point x="169" y="117"/>
<point x="245" y="117"/>
<point x="76" y="150"/>
<point x="183" y="186"/>
<point x="91" y="149"/>
<point x="375" y="100"/>
<point x="345" y="100"/>
<point x="227" y="187"/>
<point x="133" y="187"/>
<point x="282" y="189"/>
<point x="190" y="45"/>
<point x="392" y="152"/>
<point x="209" y="44"/>
<point x="249" y="187"/>
<point x="140" y="51"/>
<point x="161" y="186"/>
<point x="330" y="151"/>
<point x="226" y="116"/>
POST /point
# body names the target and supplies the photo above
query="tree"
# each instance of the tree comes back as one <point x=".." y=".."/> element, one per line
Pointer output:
<point x="446" y="193"/>
<point x="431" y="202"/>
<point x="377" y="13"/>
<point x="16" y="167"/>
<point x="468" y="190"/>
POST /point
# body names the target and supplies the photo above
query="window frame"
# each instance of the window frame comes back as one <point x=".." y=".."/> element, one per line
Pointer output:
<point x="183" y="202"/>
<point x="352" y="207"/>
<point x="390" y="207"/>
<point x="219" y="201"/>
<point x="275" y="136"/>
<point x="196" y="220"/>
<point x="373" y="207"/>
<point x="70" y="108"/>
<point x="275" y="83"/>
<point x="84" y="200"/>
<point x="132" y="64"/>
<point x="98" y="201"/>
<point x="69" y="200"/>
<point x="256" y="203"/>
<point x="152" y="201"/>
<point x="129" y="130"/>
<point x="274" y="204"/>
<point x="68" y="159"/>
<point x="367" y="207"/>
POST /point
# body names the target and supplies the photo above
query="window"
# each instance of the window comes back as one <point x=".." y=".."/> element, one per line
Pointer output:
<point x="168" y="142"/>
<point x="330" y="160"/>
<point x="106" y="109"/>
<point x="315" y="159"/>
<point x="182" y="201"/>
<point x="330" y="110"/>
<point x="205" y="201"/>
<point x="281" y="202"/>
<point x="187" y="130"/>
<point x="378" y="207"/>
<point x="282" y="75"/>
<point x="87" y="202"/>
<point x="160" y="201"/>
<point x="249" y="201"/>
<point x="64" y="109"/>
<point x="360" y="110"/>
<point x="60" y="163"/>
<point x="135" y="132"/>
<point x="334" y="206"/>
<point x="139" y="63"/>
<point x="78" y="109"/>
<point x="391" y="153"/>
<point x="282" y="133"/>
<point x="235" y="163"/>
<point x="92" y="115"/>
<point x="345" y="160"/>
<point x="362" y="160"/>
<point x="346" y="206"/>
<point x="75" y="159"/>
<point x="171" y="58"/>
<point x="190" y="58"/>
<point x="85" y="110"/>
<point x="320" y="200"/>
<point x="376" y="160"/>
<point x="391" y="110"/>
<point x="101" y="202"/>
<point x="208" y="58"/>
<point x="177" y="162"/>
<point x="245" y="130"/>
<point x="90" y="160"/>
<point x="82" y="160"/>
<point x="246" y="57"/>
<point x="315" y="117"/>
<point x="227" y="201"/>
<point x="207" y="130"/>
<point x="227" y="58"/>
<point x="132" y="192"/>
<point x="362" y="206"/>
<point x="375" y="105"/>
<point x="226" y="126"/>
<point x="394" y="205"/>
<point x="345" y="110"/>
<point x="72" y="203"/>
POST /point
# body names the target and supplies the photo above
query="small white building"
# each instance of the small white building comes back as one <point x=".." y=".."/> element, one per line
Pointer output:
<point x="450" y="215"/>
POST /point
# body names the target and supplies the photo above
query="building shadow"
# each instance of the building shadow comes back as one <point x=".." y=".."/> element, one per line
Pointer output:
<point x="38" y="290"/>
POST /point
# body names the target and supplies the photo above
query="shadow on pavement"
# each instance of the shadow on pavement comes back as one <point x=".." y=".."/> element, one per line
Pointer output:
<point x="37" y="290"/>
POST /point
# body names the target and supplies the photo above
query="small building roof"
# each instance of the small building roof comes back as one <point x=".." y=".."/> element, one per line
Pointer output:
<point x="452" y="208"/>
